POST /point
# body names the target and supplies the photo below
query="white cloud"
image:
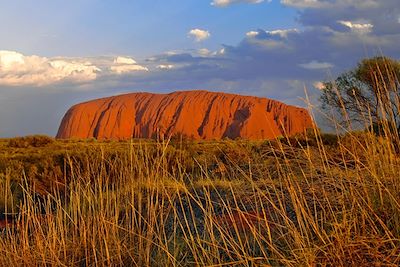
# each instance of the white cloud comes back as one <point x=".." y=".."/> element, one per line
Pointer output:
<point x="262" y="34"/>
<point x="17" y="69"/>
<point x="165" y="66"/>
<point x="283" y="33"/>
<point x="224" y="3"/>
<point x="220" y="52"/>
<point x="124" y="60"/>
<point x="357" y="27"/>
<point x="171" y="53"/>
<point x="10" y="58"/>
<point x="315" y="65"/>
<point x="199" y="34"/>
<point x="204" y="52"/>
<point x="123" y="65"/>
<point x="121" y="69"/>
<point x="251" y="34"/>
<point x="267" y="44"/>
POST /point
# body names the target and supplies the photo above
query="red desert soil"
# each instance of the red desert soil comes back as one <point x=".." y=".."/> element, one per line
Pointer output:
<point x="246" y="221"/>
<point x="4" y="223"/>
<point x="196" y="114"/>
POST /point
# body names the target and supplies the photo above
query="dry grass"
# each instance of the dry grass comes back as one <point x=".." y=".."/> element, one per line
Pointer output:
<point x="278" y="204"/>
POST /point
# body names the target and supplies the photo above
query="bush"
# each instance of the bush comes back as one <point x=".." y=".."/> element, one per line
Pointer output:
<point x="30" y="141"/>
<point x="310" y="138"/>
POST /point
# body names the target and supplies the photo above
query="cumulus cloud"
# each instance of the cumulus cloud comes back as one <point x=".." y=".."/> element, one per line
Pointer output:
<point x="283" y="33"/>
<point x="122" y="69"/>
<point x="357" y="27"/>
<point x="383" y="15"/>
<point x="199" y="34"/>
<point x="280" y="33"/>
<point x="315" y="65"/>
<point x="270" y="40"/>
<point x="251" y="34"/>
<point x="124" y="65"/>
<point x="204" y="52"/>
<point x="17" y="69"/>
<point x="165" y="66"/>
<point x="224" y="3"/>
<point x="124" y="61"/>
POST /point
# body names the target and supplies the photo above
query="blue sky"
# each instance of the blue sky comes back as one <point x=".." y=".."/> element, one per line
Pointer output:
<point x="56" y="53"/>
<point x="134" y="27"/>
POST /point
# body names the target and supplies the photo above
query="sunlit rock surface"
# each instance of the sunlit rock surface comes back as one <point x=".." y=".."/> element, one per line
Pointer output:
<point x="194" y="114"/>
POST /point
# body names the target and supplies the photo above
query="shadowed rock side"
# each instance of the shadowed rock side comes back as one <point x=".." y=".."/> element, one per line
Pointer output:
<point x="195" y="114"/>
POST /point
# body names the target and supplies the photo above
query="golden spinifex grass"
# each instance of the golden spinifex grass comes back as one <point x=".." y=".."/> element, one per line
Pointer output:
<point x="284" y="202"/>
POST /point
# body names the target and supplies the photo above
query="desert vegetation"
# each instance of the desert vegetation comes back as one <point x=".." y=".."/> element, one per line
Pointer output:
<point x="309" y="200"/>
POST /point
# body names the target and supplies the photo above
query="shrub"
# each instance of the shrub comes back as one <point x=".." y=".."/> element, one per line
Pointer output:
<point x="30" y="141"/>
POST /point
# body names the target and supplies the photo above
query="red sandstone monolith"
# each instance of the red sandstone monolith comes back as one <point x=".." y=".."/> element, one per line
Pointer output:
<point x="194" y="114"/>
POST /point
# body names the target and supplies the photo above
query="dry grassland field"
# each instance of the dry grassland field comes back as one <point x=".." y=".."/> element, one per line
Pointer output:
<point x="310" y="200"/>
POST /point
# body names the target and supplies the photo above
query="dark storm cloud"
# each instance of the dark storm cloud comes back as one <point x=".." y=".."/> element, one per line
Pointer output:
<point x="383" y="14"/>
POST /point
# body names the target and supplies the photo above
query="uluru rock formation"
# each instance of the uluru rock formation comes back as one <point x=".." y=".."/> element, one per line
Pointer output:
<point x="195" y="114"/>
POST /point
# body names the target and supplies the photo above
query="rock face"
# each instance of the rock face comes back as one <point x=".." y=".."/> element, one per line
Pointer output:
<point x="195" y="114"/>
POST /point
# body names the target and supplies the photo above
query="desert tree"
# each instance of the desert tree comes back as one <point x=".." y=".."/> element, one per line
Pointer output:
<point x="368" y="93"/>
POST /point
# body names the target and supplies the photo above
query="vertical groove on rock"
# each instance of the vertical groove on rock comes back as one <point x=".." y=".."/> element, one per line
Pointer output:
<point x="206" y="118"/>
